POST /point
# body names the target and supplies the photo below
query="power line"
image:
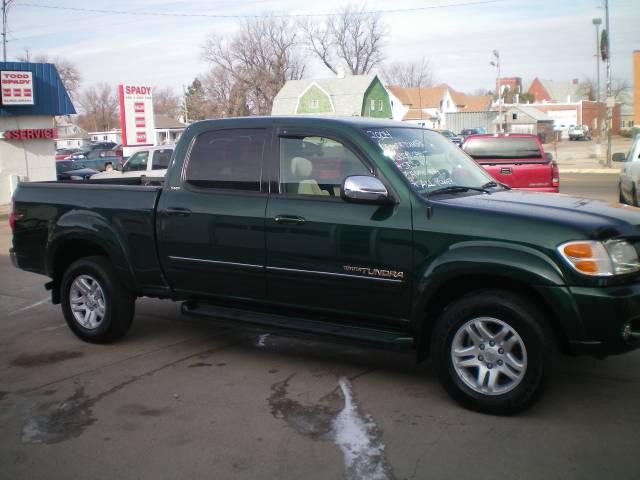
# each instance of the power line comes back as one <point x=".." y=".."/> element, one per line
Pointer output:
<point x="210" y="15"/>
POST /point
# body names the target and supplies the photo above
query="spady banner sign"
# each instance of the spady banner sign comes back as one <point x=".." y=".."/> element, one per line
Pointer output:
<point x="136" y="115"/>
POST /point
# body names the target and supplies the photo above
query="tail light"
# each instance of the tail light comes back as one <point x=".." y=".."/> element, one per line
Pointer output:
<point x="555" y="175"/>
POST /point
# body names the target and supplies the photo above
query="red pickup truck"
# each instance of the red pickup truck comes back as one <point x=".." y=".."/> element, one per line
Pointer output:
<point x="517" y="160"/>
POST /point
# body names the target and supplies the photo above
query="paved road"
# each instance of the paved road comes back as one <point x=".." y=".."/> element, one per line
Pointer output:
<point x="183" y="398"/>
<point x="600" y="186"/>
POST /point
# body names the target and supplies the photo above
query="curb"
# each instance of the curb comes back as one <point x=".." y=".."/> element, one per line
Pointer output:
<point x="590" y="170"/>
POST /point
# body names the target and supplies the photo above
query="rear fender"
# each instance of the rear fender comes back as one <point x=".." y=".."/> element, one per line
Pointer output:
<point x="90" y="227"/>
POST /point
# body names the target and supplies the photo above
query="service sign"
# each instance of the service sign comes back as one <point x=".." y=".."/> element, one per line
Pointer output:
<point x="17" y="88"/>
<point x="136" y="115"/>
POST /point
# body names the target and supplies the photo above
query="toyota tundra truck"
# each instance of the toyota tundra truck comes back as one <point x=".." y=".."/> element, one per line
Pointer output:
<point x="357" y="229"/>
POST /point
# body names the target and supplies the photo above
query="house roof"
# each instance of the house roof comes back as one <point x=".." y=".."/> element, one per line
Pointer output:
<point x="534" y="113"/>
<point x="347" y="94"/>
<point x="51" y="98"/>
<point x="562" y="91"/>
<point x="166" y="122"/>
<point x="429" y="97"/>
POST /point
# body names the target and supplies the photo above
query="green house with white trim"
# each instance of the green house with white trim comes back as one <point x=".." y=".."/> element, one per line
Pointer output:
<point x="348" y="96"/>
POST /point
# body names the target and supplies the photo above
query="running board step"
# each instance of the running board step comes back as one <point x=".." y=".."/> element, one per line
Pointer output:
<point x="381" y="338"/>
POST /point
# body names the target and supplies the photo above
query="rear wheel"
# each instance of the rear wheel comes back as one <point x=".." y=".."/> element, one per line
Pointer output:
<point x="96" y="305"/>
<point x="493" y="351"/>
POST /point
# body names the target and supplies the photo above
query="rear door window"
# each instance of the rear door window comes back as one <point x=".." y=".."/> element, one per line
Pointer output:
<point x="227" y="159"/>
<point x="502" y="147"/>
<point x="161" y="159"/>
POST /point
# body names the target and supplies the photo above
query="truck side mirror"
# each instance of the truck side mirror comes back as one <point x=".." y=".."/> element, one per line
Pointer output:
<point x="548" y="156"/>
<point x="364" y="189"/>
<point x="619" y="157"/>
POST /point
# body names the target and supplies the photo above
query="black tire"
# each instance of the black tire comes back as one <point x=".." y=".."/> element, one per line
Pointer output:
<point x="521" y="316"/>
<point x="119" y="303"/>
<point x="620" y="194"/>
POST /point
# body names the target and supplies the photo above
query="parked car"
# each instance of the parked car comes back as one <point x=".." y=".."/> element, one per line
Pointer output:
<point x="138" y="164"/>
<point x="71" y="170"/>
<point x="630" y="174"/>
<point x="99" y="159"/>
<point x="451" y="136"/>
<point x="63" y="153"/>
<point x="354" y="228"/>
<point x="103" y="145"/>
<point x="579" y="132"/>
<point x="469" y="131"/>
<point x="517" y="160"/>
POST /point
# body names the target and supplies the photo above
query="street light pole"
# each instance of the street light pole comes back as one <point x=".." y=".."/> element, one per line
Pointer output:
<point x="609" y="99"/>
<point x="496" y="64"/>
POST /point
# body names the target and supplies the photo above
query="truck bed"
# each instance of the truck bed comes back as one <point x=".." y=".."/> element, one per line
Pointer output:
<point x="119" y="215"/>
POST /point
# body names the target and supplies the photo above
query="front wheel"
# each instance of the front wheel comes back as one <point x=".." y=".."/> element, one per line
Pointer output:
<point x="493" y="351"/>
<point x="96" y="305"/>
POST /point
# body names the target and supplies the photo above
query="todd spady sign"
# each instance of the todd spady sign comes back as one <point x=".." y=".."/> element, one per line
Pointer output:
<point x="17" y="88"/>
<point x="136" y="115"/>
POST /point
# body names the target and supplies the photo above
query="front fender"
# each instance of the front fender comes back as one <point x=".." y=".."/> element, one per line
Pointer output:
<point x="505" y="262"/>
<point x="91" y="227"/>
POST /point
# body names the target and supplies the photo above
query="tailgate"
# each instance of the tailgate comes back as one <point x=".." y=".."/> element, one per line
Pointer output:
<point x="521" y="175"/>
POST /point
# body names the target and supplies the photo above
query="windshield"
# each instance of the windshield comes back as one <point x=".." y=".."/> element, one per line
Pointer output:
<point x="427" y="159"/>
<point x="502" y="147"/>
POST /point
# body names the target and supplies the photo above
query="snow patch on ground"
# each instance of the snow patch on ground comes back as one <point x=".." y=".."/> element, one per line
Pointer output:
<point x="261" y="340"/>
<point x="356" y="437"/>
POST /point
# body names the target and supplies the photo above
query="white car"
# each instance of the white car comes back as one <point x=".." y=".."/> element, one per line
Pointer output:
<point x="630" y="174"/>
<point x="138" y="164"/>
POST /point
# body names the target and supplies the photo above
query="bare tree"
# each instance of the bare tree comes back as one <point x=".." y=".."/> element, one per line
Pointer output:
<point x="99" y="106"/>
<point x="621" y="90"/>
<point x="226" y="96"/>
<point x="417" y="73"/>
<point x="166" y="102"/>
<point x="258" y="60"/>
<point x="352" y="39"/>
<point x="67" y="70"/>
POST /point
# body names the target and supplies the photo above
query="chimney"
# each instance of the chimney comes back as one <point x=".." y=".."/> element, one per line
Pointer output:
<point x="575" y="81"/>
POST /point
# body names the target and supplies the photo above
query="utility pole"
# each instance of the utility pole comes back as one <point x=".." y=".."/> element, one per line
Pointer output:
<point x="5" y="5"/>
<point x="597" y="22"/>
<point x="496" y="63"/>
<point x="609" y="99"/>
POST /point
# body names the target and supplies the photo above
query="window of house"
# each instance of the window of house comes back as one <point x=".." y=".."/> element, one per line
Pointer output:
<point x="631" y="123"/>
<point x="227" y="159"/>
<point x="514" y="116"/>
<point x="380" y="105"/>
<point x="314" y="103"/>
<point x="447" y="103"/>
<point x="316" y="166"/>
<point x="372" y="105"/>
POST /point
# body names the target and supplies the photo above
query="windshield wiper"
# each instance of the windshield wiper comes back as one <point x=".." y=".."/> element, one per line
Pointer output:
<point x="458" y="188"/>
<point x="495" y="184"/>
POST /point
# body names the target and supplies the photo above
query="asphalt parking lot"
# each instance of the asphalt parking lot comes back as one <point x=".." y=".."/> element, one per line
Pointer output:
<point x="186" y="398"/>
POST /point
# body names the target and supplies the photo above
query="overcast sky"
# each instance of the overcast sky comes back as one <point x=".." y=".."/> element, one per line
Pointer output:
<point x="551" y="39"/>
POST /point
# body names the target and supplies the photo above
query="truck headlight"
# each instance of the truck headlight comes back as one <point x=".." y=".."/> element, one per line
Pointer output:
<point x="600" y="259"/>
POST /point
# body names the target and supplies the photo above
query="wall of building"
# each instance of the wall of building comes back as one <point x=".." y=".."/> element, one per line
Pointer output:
<point x="636" y="87"/>
<point x="32" y="159"/>
<point x="377" y="94"/>
<point x="458" y="121"/>
<point x="314" y="100"/>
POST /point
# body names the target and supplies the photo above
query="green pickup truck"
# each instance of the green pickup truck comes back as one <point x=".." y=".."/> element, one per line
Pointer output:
<point x="358" y="229"/>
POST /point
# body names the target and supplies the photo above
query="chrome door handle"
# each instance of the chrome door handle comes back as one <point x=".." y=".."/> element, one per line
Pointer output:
<point x="292" y="219"/>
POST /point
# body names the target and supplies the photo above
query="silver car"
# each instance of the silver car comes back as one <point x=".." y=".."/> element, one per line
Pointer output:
<point x="630" y="175"/>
